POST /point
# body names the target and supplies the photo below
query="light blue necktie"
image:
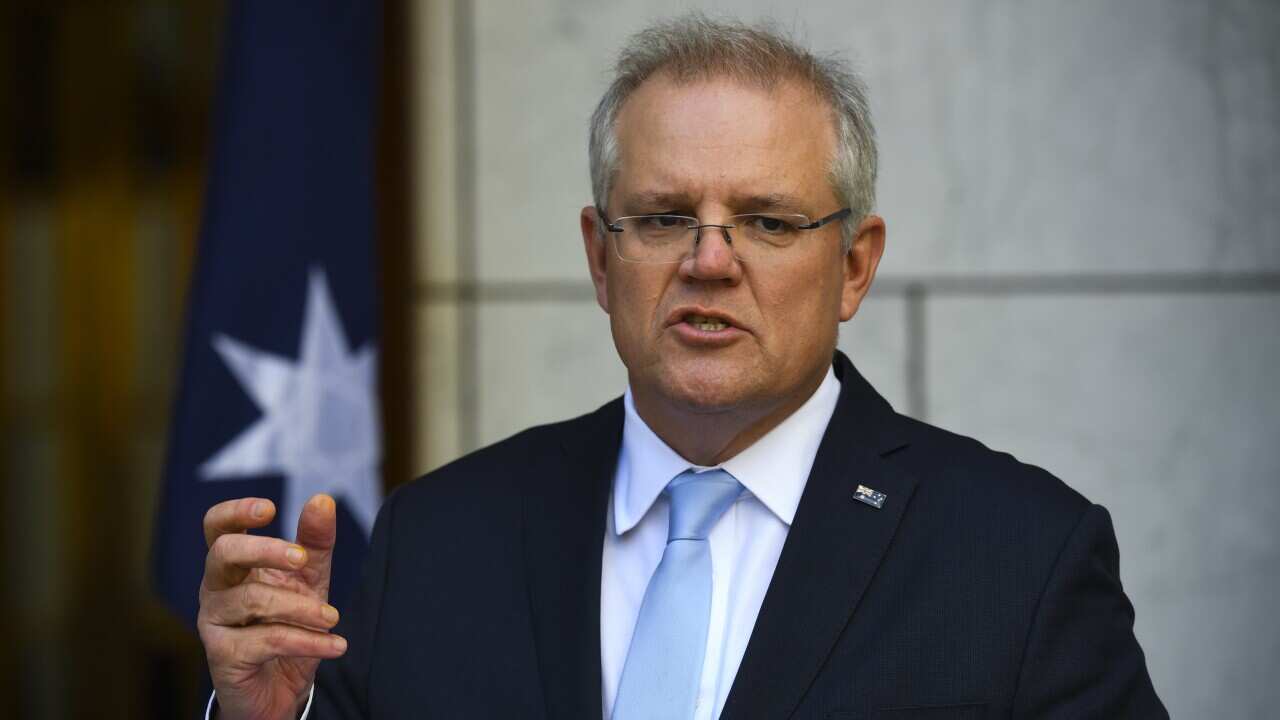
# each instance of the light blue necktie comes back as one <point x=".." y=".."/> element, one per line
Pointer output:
<point x="664" y="663"/>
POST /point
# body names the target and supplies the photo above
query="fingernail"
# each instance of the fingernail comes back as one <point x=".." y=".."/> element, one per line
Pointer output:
<point x="295" y="555"/>
<point x="339" y="643"/>
<point x="260" y="510"/>
<point x="330" y="614"/>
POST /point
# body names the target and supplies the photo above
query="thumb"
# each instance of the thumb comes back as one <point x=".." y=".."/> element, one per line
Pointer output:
<point x="317" y="532"/>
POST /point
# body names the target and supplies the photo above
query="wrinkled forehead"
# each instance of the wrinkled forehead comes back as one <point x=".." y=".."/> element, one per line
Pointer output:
<point x="718" y="136"/>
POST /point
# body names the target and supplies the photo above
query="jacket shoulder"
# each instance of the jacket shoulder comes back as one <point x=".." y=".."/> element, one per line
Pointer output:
<point x="970" y="475"/>
<point x="498" y="470"/>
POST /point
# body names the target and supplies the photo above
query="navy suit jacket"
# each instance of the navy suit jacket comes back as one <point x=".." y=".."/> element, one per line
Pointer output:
<point x="983" y="588"/>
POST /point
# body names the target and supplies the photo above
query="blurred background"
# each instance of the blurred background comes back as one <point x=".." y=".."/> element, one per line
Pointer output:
<point x="1083" y="269"/>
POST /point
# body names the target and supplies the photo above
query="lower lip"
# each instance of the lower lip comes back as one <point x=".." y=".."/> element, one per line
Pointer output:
<point x="693" y="335"/>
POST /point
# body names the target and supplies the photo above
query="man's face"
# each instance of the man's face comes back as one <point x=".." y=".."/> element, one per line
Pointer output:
<point x="713" y="149"/>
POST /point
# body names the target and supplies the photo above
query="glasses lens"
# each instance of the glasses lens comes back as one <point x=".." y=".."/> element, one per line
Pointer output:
<point x="765" y="232"/>
<point x="654" y="238"/>
<point x="669" y="238"/>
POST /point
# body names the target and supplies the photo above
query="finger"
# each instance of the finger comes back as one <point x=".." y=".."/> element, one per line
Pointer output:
<point x="317" y="532"/>
<point x="232" y="556"/>
<point x="257" y="644"/>
<point x="235" y="516"/>
<point x="255" y="602"/>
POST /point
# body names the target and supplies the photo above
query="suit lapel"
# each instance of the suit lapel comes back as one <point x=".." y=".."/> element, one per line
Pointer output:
<point x="831" y="554"/>
<point x="564" y="524"/>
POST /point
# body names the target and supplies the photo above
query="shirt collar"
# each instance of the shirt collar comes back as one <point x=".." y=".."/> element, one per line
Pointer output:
<point x="774" y="469"/>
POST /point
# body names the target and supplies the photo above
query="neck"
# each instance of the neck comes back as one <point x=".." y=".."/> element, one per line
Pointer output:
<point x="711" y="436"/>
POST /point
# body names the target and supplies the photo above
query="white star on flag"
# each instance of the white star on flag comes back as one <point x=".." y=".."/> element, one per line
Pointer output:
<point x="319" y="427"/>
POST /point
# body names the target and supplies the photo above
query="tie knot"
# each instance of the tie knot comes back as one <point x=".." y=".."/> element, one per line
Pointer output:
<point x="697" y="502"/>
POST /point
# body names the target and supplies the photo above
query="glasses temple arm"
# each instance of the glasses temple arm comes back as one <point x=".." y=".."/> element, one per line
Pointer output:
<point x="608" y="225"/>
<point x="837" y="215"/>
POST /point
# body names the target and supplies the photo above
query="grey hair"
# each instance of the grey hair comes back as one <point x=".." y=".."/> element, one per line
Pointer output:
<point x="694" y="47"/>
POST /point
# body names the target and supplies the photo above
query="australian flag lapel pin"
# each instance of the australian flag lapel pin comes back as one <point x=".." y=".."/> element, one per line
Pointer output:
<point x="867" y="496"/>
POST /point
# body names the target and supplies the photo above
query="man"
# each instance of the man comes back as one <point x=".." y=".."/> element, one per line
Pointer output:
<point x="751" y="531"/>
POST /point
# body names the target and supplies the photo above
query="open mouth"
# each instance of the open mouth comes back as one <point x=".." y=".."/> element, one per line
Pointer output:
<point x="706" y="323"/>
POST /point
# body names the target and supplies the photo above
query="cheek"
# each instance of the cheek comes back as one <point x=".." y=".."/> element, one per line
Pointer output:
<point x="633" y="307"/>
<point x="811" y="289"/>
<point x="802" y="309"/>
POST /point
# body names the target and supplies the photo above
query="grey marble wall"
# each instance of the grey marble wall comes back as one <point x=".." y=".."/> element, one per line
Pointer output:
<point x="1083" y="266"/>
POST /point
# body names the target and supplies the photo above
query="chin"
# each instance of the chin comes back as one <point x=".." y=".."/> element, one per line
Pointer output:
<point x="708" y="388"/>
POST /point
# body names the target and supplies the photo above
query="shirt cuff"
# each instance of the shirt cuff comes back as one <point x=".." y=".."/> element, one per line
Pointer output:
<point x="208" y="709"/>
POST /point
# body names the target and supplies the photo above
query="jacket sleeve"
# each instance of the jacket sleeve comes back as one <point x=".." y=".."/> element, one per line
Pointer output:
<point x="1082" y="659"/>
<point x="342" y="685"/>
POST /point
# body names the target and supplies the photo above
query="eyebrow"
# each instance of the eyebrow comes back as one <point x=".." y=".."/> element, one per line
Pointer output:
<point x="770" y="202"/>
<point x="658" y="200"/>
<point x="650" y="200"/>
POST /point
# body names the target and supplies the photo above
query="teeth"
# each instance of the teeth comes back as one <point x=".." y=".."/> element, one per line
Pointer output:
<point x="705" y="323"/>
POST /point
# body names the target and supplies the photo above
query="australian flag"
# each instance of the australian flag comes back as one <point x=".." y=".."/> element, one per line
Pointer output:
<point x="278" y="390"/>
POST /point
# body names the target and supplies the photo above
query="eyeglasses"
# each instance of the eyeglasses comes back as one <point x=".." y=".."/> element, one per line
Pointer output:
<point x="756" y="237"/>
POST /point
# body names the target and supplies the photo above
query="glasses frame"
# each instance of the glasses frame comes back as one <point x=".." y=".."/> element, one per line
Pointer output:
<point x="697" y="226"/>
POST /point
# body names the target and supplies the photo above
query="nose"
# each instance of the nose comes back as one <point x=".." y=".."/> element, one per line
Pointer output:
<point x="713" y="257"/>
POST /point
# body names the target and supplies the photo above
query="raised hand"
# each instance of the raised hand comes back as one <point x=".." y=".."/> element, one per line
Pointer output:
<point x="264" y="619"/>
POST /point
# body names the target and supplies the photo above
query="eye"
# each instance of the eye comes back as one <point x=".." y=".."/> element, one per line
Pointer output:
<point x="658" y="222"/>
<point x="656" y="226"/>
<point x="769" y="225"/>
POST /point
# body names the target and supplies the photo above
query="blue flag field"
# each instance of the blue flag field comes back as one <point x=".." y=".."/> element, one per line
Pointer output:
<point x="278" y="393"/>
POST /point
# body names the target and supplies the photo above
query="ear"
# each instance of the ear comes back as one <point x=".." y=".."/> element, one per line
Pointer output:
<point x="860" y="264"/>
<point x="593" y="241"/>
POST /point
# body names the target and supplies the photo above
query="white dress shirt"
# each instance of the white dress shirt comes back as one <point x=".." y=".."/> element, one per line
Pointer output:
<point x="745" y="543"/>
